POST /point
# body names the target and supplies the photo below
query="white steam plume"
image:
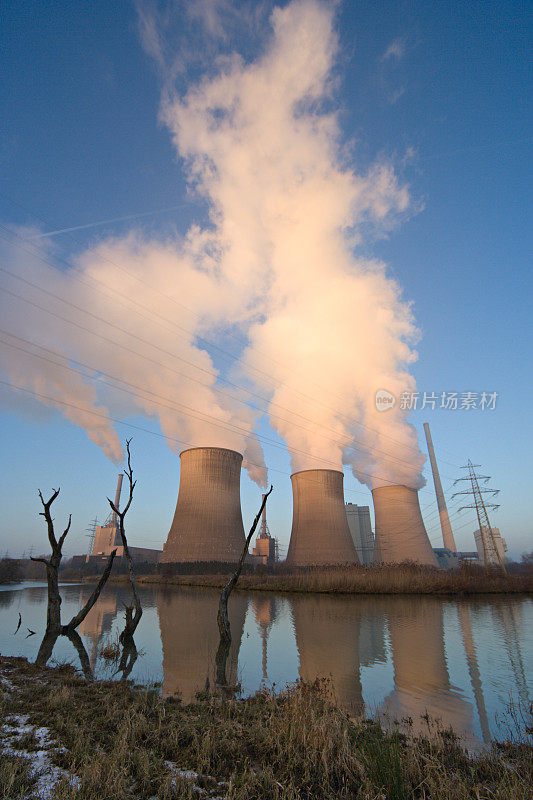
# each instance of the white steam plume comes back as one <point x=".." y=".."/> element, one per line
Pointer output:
<point x="287" y="215"/>
<point x="130" y="330"/>
<point x="326" y="327"/>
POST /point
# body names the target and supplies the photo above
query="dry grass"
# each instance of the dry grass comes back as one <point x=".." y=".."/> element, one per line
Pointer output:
<point x="391" y="579"/>
<point x="111" y="650"/>
<point x="293" y="746"/>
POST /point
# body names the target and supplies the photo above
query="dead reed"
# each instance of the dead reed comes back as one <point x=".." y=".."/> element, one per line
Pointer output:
<point x="122" y="742"/>
<point x="404" y="578"/>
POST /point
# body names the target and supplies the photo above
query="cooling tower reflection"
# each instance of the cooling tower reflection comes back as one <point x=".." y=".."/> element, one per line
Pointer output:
<point x="421" y="681"/>
<point x="190" y="637"/>
<point x="327" y="637"/>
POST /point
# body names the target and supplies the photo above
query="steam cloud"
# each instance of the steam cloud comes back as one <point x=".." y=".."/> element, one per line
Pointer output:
<point x="326" y="328"/>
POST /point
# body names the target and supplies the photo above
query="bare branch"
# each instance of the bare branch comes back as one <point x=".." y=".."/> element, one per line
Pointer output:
<point x="46" y="514"/>
<point x="80" y="616"/>
<point x="223" y="620"/>
<point x="132" y="619"/>
<point x="42" y="560"/>
<point x="64" y="534"/>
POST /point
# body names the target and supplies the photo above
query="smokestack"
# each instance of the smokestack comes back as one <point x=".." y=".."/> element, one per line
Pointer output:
<point x="447" y="534"/>
<point x="400" y="530"/>
<point x="117" y="494"/>
<point x="207" y="525"/>
<point x="320" y="532"/>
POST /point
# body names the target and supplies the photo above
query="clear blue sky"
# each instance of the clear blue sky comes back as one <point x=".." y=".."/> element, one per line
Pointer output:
<point x="445" y="83"/>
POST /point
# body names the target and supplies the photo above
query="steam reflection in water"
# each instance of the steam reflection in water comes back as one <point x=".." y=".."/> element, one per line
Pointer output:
<point x="398" y="656"/>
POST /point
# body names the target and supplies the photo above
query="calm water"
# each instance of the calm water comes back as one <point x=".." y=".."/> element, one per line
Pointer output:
<point x="461" y="660"/>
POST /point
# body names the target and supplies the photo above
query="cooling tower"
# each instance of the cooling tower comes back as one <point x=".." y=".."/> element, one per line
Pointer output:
<point x="400" y="530"/>
<point x="207" y="525"/>
<point x="320" y="532"/>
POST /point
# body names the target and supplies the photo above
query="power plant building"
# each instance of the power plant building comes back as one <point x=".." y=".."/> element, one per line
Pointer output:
<point x="320" y="534"/>
<point x="265" y="550"/>
<point x="207" y="524"/>
<point x="361" y="531"/>
<point x="400" y="531"/>
<point x="107" y="538"/>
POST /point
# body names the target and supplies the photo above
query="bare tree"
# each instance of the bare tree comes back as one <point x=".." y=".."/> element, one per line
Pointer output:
<point x="222" y="616"/>
<point x="54" y="627"/>
<point x="53" y="613"/>
<point x="134" y="612"/>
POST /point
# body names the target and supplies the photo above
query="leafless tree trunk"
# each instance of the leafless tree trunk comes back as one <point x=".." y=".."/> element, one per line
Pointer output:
<point x="222" y="616"/>
<point x="78" y="618"/>
<point x="127" y="659"/>
<point x="54" y="628"/>
<point x="134" y="612"/>
<point x="53" y="612"/>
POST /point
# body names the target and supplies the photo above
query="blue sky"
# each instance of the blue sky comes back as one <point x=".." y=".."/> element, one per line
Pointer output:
<point x="439" y="91"/>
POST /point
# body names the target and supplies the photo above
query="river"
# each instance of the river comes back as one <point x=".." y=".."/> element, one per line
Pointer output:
<point x="460" y="660"/>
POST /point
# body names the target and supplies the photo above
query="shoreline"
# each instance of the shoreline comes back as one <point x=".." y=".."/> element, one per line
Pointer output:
<point x="350" y="581"/>
<point x="111" y="739"/>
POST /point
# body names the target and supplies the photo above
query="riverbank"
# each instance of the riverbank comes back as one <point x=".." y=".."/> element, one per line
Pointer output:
<point x="110" y="740"/>
<point x="401" y="579"/>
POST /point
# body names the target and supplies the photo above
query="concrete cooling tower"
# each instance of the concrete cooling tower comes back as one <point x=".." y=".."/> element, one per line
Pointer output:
<point x="400" y="530"/>
<point x="320" y="532"/>
<point x="207" y="525"/>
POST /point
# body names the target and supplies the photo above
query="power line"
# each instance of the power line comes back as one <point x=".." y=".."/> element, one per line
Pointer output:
<point x="230" y="355"/>
<point x="189" y="377"/>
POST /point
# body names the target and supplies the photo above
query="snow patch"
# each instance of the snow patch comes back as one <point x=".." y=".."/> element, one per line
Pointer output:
<point x="46" y="773"/>
<point x="211" y="784"/>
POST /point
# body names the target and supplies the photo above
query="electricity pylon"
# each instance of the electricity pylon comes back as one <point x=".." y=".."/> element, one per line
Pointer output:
<point x="91" y="534"/>
<point x="490" y="550"/>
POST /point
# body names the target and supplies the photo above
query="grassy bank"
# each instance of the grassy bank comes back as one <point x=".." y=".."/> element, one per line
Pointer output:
<point x="400" y="579"/>
<point x="109" y="741"/>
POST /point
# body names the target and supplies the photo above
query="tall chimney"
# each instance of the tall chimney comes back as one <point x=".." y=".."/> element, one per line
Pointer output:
<point x="207" y="524"/>
<point x="320" y="532"/>
<point x="117" y="494"/>
<point x="400" y="530"/>
<point x="447" y="534"/>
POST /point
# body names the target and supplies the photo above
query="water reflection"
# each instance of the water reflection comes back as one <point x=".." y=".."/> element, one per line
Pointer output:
<point x="505" y="620"/>
<point x="190" y="638"/>
<point x="403" y="656"/>
<point x="465" y="621"/>
<point x="98" y="622"/>
<point x="265" y="609"/>
<point x="327" y="637"/>
<point x="421" y="681"/>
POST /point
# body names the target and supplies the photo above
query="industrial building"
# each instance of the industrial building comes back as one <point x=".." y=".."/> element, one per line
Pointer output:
<point x="320" y="532"/>
<point x="265" y="550"/>
<point x="207" y="524"/>
<point x="400" y="531"/>
<point x="361" y="531"/>
<point x="107" y="538"/>
<point x="491" y="549"/>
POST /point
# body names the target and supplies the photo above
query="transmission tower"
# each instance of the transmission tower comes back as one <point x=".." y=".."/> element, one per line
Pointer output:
<point x="491" y="552"/>
<point x="91" y="534"/>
